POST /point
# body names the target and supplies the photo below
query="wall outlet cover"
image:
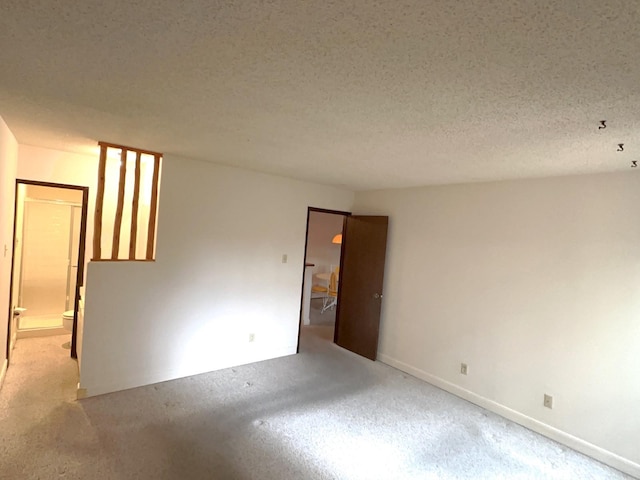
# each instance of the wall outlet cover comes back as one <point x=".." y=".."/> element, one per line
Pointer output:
<point x="548" y="401"/>
<point x="464" y="368"/>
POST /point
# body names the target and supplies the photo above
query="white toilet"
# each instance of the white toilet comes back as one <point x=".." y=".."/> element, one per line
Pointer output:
<point x="67" y="320"/>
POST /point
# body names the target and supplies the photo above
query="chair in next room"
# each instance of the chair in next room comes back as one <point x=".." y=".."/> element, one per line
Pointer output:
<point x="320" y="291"/>
<point x="331" y="300"/>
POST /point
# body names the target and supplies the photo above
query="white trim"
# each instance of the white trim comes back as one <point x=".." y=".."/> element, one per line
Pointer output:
<point x="81" y="392"/>
<point x="582" y="446"/>
<point x="3" y="372"/>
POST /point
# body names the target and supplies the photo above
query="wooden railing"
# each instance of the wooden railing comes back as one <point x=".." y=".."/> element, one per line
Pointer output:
<point x="122" y="156"/>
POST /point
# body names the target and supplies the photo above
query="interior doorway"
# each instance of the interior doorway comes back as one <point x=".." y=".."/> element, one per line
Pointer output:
<point x="48" y="261"/>
<point x="355" y="287"/>
<point x="323" y="253"/>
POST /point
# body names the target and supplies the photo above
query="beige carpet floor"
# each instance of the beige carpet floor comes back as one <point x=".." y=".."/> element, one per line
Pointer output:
<point x="322" y="414"/>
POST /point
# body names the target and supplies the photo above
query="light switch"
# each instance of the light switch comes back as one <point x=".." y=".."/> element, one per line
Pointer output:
<point x="284" y="258"/>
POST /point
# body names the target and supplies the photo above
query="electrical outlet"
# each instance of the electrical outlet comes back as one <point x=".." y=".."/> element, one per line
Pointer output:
<point x="284" y="258"/>
<point x="463" y="368"/>
<point x="252" y="337"/>
<point x="548" y="401"/>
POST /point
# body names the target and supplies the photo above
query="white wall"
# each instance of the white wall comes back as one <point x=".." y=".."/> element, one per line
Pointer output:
<point x="54" y="166"/>
<point x="536" y="286"/>
<point x="8" y="160"/>
<point x="320" y="251"/>
<point x="218" y="276"/>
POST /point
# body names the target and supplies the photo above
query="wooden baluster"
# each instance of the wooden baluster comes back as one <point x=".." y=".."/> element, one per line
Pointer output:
<point x="97" y="218"/>
<point x="117" y="226"/>
<point x="134" y="211"/>
<point x="154" y="207"/>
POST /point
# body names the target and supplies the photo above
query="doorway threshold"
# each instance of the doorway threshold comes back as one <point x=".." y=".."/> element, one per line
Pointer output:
<point x="42" y="332"/>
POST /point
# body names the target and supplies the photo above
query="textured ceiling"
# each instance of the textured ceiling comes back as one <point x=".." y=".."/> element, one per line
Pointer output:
<point x="365" y="94"/>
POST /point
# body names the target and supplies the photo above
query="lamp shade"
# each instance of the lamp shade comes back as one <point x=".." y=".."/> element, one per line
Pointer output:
<point x="337" y="239"/>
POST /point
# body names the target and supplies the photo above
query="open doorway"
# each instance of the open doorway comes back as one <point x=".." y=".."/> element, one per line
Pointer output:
<point x="48" y="262"/>
<point x="357" y="276"/>
<point x="323" y="252"/>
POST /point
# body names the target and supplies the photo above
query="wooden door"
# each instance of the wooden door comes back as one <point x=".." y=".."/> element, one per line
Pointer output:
<point x="364" y="245"/>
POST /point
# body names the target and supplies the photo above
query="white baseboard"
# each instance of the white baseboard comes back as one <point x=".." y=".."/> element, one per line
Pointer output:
<point x="3" y="372"/>
<point x="582" y="446"/>
<point x="81" y="393"/>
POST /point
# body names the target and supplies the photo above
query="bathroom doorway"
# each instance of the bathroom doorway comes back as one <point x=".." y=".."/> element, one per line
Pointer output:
<point x="48" y="261"/>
